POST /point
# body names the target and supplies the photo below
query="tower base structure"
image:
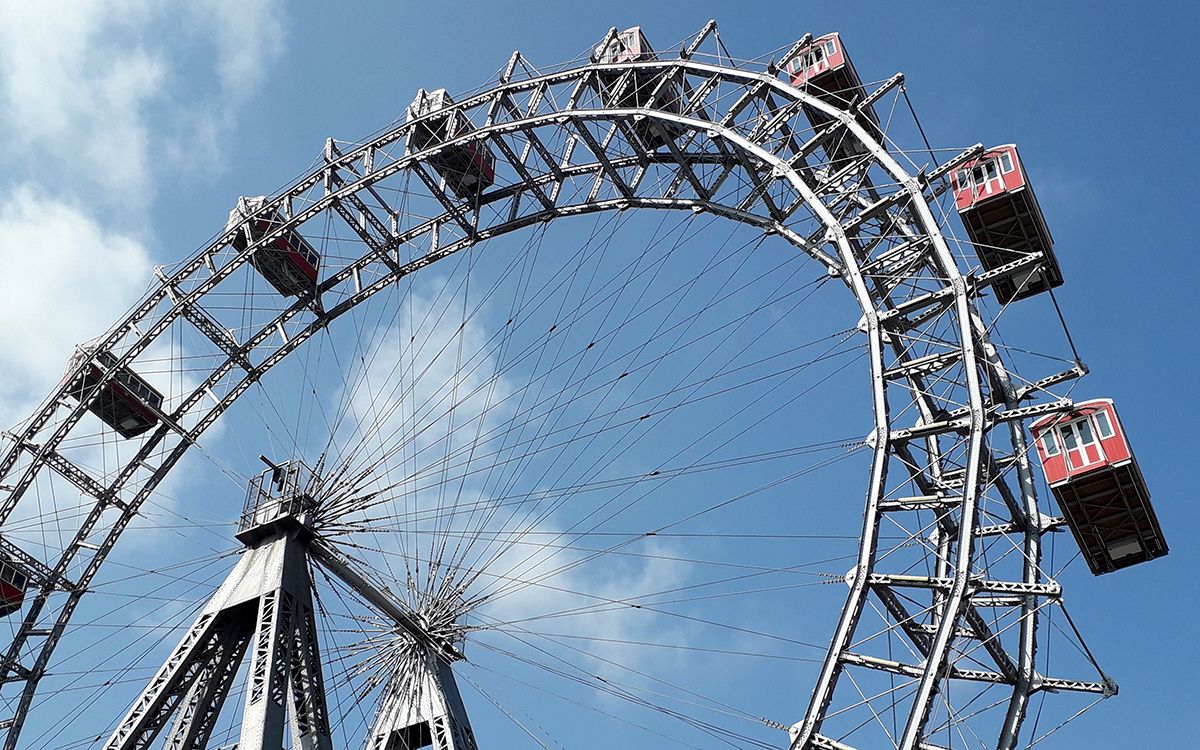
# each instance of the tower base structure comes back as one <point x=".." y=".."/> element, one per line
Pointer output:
<point x="421" y="708"/>
<point x="265" y="607"/>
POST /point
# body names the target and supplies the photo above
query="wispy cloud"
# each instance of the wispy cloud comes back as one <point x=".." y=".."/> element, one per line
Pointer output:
<point x="53" y="255"/>
<point x="98" y="102"/>
<point x="248" y="36"/>
<point x="101" y="98"/>
<point x="433" y="389"/>
<point x="101" y="101"/>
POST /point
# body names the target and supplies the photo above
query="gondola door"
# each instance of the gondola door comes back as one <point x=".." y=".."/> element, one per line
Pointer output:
<point x="987" y="178"/>
<point x="1082" y="446"/>
<point x="817" y="60"/>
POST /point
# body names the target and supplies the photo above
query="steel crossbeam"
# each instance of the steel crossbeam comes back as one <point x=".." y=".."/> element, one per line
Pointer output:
<point x="608" y="170"/>
<point x="946" y="453"/>
<point x="74" y="474"/>
<point x="205" y="324"/>
<point x="35" y="568"/>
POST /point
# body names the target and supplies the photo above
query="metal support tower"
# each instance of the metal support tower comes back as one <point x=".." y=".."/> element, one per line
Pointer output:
<point x="265" y="605"/>
<point x="421" y="707"/>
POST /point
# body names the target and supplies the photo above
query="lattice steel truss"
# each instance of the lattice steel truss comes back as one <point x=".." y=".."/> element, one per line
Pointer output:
<point x="962" y="593"/>
<point x="266" y="605"/>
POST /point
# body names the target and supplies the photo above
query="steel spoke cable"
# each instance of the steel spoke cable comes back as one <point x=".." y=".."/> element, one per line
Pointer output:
<point x="415" y="411"/>
<point x="545" y="513"/>
<point x="578" y="674"/>
<point x="606" y="483"/>
<point x="559" y="696"/>
<point x="623" y="603"/>
<point x="519" y="411"/>
<point x="613" y="301"/>
<point x="561" y="393"/>
<point x="681" y="451"/>
<point x="488" y="595"/>
<point x="53" y="732"/>
<point x="508" y="713"/>
<point x="799" y="568"/>
<point x="641" y="402"/>
<point x="817" y="466"/>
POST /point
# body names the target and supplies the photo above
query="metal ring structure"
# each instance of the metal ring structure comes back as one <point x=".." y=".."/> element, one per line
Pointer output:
<point x="947" y="415"/>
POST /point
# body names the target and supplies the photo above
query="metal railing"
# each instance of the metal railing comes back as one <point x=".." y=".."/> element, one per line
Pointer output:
<point x="278" y="492"/>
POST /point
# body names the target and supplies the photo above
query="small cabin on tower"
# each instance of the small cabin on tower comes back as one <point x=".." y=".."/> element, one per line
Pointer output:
<point x="288" y="262"/>
<point x="468" y="167"/>
<point x="126" y="403"/>
<point x="640" y="89"/>
<point x="824" y="69"/>
<point x="1095" y="478"/>
<point x="278" y="500"/>
<point x="1004" y="221"/>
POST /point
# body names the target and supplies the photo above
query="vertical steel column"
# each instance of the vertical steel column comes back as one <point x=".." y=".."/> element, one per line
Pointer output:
<point x="264" y="714"/>
<point x="1027" y="649"/>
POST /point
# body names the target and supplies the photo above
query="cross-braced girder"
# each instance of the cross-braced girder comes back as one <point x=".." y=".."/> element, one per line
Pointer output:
<point x="746" y="152"/>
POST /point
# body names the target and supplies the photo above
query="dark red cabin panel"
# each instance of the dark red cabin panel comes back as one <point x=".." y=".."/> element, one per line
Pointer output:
<point x="1003" y="220"/>
<point x="127" y="403"/>
<point x="1099" y="487"/>
<point x="11" y="598"/>
<point x="288" y="262"/>
<point x="640" y="90"/>
<point x="13" y="583"/>
<point x="468" y="167"/>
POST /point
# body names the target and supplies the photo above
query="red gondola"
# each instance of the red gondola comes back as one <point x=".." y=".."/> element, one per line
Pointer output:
<point x="1004" y="221"/>
<point x="288" y="262"/>
<point x="467" y="167"/>
<point x="127" y="403"/>
<point x="642" y="89"/>
<point x="824" y="69"/>
<point x="1096" y="480"/>
<point x="13" y="582"/>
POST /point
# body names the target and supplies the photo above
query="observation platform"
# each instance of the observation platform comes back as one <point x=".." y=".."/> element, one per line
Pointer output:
<point x="279" y="501"/>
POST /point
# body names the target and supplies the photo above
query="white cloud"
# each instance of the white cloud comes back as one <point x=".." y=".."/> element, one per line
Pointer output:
<point x="610" y="590"/>
<point x="65" y="280"/>
<point x="431" y="372"/>
<point x="248" y="35"/>
<point x="523" y="554"/>
<point x="76" y="90"/>
<point x="96" y="96"/>
<point x="97" y="102"/>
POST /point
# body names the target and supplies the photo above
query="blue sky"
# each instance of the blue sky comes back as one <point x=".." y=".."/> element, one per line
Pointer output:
<point x="127" y="131"/>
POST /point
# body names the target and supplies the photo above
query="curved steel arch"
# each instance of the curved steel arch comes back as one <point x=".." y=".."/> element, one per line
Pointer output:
<point x="873" y="228"/>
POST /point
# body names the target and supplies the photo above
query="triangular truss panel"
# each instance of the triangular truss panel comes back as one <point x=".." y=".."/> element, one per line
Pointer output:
<point x="264" y="607"/>
<point x="421" y="707"/>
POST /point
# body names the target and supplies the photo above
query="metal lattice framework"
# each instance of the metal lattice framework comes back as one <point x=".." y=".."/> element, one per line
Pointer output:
<point x="965" y="593"/>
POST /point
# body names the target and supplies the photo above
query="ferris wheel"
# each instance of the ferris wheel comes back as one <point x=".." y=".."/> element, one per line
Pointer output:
<point x="453" y="485"/>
